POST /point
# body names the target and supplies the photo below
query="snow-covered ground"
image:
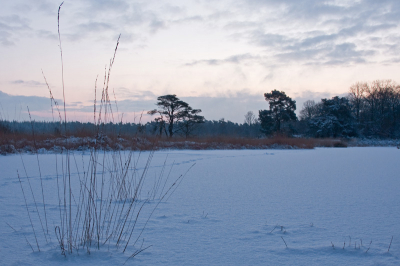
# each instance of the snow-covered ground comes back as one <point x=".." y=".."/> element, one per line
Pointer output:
<point x="234" y="207"/>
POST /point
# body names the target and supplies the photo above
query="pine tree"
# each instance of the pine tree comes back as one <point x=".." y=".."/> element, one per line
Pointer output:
<point x="281" y="109"/>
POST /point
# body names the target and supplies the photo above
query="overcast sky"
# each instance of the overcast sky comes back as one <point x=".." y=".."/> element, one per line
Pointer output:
<point x="219" y="56"/>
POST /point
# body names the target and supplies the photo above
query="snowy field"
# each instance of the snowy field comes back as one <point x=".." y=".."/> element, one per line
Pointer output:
<point x="234" y="207"/>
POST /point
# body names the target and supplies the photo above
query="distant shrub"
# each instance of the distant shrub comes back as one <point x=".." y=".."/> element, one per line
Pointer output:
<point x="340" y="144"/>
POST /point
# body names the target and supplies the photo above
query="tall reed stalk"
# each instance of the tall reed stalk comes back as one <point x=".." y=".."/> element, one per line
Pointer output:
<point x="104" y="201"/>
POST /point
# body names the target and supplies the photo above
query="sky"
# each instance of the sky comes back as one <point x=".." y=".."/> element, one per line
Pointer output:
<point x="219" y="56"/>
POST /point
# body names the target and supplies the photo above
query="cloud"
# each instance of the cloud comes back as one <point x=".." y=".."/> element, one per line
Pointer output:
<point x="347" y="52"/>
<point x="15" y="106"/>
<point x="269" y="39"/>
<point x="30" y="83"/>
<point x="231" y="105"/>
<point x="234" y="59"/>
<point x="46" y="7"/>
<point x="90" y="29"/>
<point x="188" y="19"/>
<point x="10" y="28"/>
<point x="107" y="5"/>
<point x="45" y="34"/>
<point x="125" y="93"/>
<point x="5" y="38"/>
<point x="156" y="25"/>
<point x="317" y="32"/>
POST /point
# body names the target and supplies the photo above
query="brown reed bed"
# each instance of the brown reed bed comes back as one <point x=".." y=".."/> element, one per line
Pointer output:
<point x="83" y="140"/>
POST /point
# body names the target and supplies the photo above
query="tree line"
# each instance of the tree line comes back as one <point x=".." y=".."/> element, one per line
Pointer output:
<point x="369" y="110"/>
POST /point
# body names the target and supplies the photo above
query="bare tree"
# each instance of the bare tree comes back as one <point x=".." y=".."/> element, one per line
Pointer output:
<point x="310" y="109"/>
<point x="250" y="118"/>
<point x="356" y="96"/>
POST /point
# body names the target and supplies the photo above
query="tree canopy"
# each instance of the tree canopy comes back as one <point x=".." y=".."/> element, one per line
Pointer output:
<point x="281" y="109"/>
<point x="173" y="110"/>
<point x="333" y="119"/>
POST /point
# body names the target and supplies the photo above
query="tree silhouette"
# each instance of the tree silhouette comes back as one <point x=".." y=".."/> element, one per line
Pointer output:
<point x="173" y="110"/>
<point x="281" y="109"/>
<point x="190" y="120"/>
<point x="335" y="119"/>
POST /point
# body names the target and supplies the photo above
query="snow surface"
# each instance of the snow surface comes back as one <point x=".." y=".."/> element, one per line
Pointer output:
<point x="236" y="207"/>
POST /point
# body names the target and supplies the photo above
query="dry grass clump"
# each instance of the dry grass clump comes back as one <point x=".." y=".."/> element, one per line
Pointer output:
<point x="107" y="201"/>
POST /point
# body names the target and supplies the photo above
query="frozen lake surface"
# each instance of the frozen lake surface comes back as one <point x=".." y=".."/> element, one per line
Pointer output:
<point x="234" y="207"/>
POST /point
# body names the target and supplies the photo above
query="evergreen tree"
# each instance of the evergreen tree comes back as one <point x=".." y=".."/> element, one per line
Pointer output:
<point x="190" y="120"/>
<point x="176" y="112"/>
<point x="334" y="120"/>
<point x="281" y="109"/>
<point x="267" y="122"/>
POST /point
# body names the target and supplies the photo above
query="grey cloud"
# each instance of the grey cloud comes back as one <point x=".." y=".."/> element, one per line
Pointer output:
<point x="229" y="108"/>
<point x="46" y="34"/>
<point x="137" y="94"/>
<point x="101" y="19"/>
<point x="47" y="7"/>
<point x="235" y="59"/>
<point x="230" y="105"/>
<point x="311" y="9"/>
<point x="127" y="37"/>
<point x="211" y="62"/>
<point x="361" y="28"/>
<point x="15" y="106"/>
<point x="13" y="27"/>
<point x="14" y="22"/>
<point x="123" y="106"/>
<point x="340" y="54"/>
<point x="269" y="76"/>
<point x="74" y="104"/>
<point x="173" y="9"/>
<point x="392" y="61"/>
<point x="5" y="38"/>
<point x="106" y="6"/>
<point x="10" y="28"/>
<point x="144" y="94"/>
<point x="219" y="15"/>
<point x="86" y="29"/>
<point x="237" y="25"/>
<point x="156" y="25"/>
<point x="126" y="93"/>
<point x="348" y="52"/>
<point x="31" y="83"/>
<point x="289" y="10"/>
<point x="188" y="19"/>
<point x="314" y="41"/>
<point x="269" y="40"/>
<point x="95" y="26"/>
<point x="135" y="15"/>
<point x="308" y="55"/>
<point x="325" y="28"/>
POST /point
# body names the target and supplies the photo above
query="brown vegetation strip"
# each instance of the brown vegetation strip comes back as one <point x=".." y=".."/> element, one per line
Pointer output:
<point x="11" y="143"/>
